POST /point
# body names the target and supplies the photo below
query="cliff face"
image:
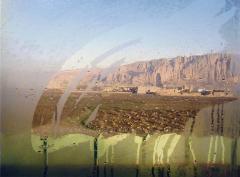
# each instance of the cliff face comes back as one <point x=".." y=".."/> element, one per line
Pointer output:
<point x="212" y="69"/>
<point x="209" y="71"/>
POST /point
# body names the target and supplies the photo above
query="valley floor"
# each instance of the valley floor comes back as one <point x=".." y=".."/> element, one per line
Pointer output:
<point x="112" y="113"/>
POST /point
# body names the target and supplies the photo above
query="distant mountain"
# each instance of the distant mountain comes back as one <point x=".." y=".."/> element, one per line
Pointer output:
<point x="217" y="70"/>
<point x="62" y="78"/>
<point x="210" y="70"/>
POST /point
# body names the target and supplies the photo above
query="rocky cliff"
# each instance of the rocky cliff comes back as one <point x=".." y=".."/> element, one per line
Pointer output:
<point x="216" y="70"/>
<point x="213" y="70"/>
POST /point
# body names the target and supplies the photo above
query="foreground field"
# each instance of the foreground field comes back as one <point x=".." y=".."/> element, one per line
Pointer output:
<point x="120" y="112"/>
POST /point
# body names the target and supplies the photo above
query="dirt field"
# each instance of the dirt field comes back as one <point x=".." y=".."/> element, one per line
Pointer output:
<point x="122" y="112"/>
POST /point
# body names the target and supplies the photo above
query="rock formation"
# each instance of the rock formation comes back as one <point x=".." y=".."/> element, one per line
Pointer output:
<point x="200" y="70"/>
<point x="213" y="71"/>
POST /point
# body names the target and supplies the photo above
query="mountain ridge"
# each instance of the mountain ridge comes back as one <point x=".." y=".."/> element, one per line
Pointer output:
<point x="215" y="70"/>
<point x="209" y="69"/>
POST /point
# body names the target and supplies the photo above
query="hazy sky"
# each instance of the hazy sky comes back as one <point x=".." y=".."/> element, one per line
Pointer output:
<point x="72" y="33"/>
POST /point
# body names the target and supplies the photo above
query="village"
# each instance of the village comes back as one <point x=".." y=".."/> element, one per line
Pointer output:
<point x="169" y="90"/>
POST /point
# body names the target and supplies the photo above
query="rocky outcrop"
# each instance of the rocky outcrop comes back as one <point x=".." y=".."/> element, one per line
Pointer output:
<point x="216" y="70"/>
<point x="211" y="70"/>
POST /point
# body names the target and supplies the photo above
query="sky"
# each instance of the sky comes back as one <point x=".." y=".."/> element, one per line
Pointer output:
<point x="69" y="34"/>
